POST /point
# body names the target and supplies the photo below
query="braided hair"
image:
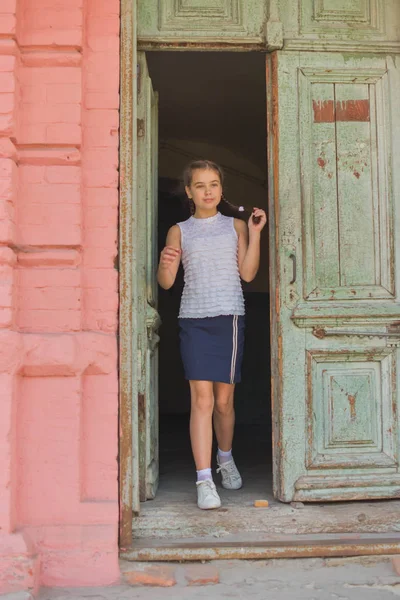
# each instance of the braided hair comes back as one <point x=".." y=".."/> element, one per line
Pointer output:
<point x="224" y="207"/>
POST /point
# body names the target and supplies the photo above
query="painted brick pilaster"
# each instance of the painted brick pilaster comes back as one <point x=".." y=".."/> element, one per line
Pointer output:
<point x="58" y="294"/>
<point x="100" y="164"/>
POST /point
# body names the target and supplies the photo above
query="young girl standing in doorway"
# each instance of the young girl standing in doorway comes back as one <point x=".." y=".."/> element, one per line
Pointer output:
<point x="216" y="251"/>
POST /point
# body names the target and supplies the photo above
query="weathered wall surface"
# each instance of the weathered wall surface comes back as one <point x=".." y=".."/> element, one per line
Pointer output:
<point x="59" y="80"/>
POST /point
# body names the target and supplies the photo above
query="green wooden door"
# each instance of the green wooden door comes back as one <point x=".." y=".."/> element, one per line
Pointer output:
<point x="333" y="138"/>
<point x="148" y="318"/>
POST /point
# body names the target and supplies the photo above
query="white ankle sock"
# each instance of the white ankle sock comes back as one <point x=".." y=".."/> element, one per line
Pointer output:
<point x="224" y="457"/>
<point x="204" y="474"/>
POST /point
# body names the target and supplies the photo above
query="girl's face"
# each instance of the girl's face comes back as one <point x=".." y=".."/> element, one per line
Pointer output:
<point x="205" y="189"/>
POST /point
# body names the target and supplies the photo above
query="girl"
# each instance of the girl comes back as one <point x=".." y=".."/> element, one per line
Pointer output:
<point x="216" y="251"/>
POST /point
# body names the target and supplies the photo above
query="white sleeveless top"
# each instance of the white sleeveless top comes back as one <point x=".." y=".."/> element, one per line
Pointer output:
<point x="210" y="261"/>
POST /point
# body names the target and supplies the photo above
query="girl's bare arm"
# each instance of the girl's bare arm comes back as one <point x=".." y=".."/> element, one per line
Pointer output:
<point x="170" y="258"/>
<point x="249" y="245"/>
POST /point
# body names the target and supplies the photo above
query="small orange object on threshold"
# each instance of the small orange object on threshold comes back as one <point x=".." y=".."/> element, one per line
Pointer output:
<point x="261" y="503"/>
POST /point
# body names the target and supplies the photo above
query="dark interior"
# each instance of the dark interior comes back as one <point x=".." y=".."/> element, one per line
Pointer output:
<point x="213" y="105"/>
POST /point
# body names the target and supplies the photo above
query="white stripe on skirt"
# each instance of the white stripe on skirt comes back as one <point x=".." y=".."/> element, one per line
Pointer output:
<point x="234" y="347"/>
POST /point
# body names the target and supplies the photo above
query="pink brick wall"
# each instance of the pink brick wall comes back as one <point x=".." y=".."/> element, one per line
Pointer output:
<point x="59" y="82"/>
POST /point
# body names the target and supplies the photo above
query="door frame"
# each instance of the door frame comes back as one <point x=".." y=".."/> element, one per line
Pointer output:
<point x="128" y="424"/>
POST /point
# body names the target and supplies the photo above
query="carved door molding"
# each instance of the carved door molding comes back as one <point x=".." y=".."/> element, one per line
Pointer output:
<point x="209" y="24"/>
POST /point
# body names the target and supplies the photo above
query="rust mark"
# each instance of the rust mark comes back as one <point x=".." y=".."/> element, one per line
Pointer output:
<point x="141" y="407"/>
<point x="127" y="145"/>
<point x="309" y="408"/>
<point x="330" y="175"/>
<point x="321" y="162"/>
<point x="352" y="110"/>
<point x="319" y="333"/>
<point x="352" y="402"/>
<point x="280" y="355"/>
<point x="326" y="111"/>
<point x="357" y="174"/>
<point x="309" y="546"/>
<point x="141" y="400"/>
<point x="276" y="336"/>
<point x="199" y="45"/>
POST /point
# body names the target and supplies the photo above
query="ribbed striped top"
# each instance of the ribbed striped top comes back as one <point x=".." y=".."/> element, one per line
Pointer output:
<point x="210" y="261"/>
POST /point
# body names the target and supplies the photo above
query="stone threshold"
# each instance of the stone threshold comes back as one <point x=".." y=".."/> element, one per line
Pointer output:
<point x="252" y="547"/>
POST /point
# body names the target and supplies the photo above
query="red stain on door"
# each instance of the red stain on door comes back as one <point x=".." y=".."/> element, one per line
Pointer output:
<point x="326" y="111"/>
<point x="352" y="402"/>
<point x="352" y="110"/>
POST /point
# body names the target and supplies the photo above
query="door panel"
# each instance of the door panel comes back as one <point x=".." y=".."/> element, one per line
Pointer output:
<point x="341" y="25"/>
<point x="205" y="21"/>
<point x="344" y="167"/>
<point x="335" y="306"/>
<point x="350" y="409"/>
<point x="148" y="317"/>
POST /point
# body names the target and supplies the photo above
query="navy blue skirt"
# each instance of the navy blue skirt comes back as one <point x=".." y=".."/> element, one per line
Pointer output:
<point x="212" y="348"/>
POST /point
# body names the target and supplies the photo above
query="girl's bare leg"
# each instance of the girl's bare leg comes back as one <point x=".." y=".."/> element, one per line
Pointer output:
<point x="202" y="406"/>
<point x="224" y="415"/>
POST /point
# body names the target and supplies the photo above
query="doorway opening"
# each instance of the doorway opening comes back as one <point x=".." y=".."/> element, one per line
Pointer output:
<point x="212" y="105"/>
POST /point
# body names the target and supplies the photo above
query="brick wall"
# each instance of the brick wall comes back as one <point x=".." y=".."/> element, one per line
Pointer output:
<point x="59" y="83"/>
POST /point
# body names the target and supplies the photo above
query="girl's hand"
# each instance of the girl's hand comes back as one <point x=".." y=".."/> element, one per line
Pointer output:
<point x="257" y="212"/>
<point x="169" y="256"/>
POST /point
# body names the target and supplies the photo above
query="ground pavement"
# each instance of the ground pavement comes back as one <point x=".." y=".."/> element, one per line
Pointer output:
<point x="364" y="578"/>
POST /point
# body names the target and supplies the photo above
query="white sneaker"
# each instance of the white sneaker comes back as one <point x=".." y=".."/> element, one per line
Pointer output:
<point x="231" y="479"/>
<point x="207" y="495"/>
